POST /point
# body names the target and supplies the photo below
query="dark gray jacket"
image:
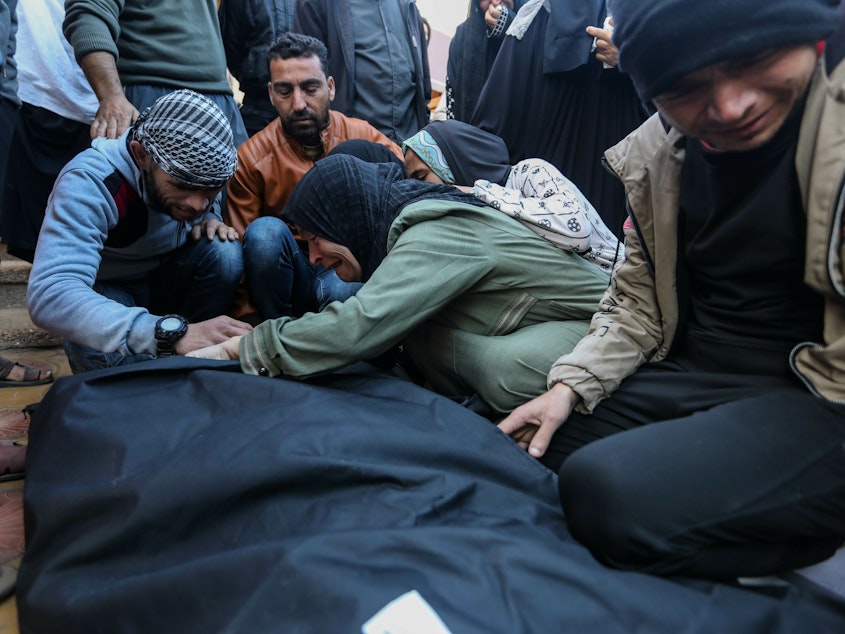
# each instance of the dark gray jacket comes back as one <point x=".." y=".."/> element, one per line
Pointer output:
<point x="330" y="21"/>
<point x="248" y="28"/>
<point x="8" y="69"/>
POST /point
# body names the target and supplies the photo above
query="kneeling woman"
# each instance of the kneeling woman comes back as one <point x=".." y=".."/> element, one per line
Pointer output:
<point x="483" y="304"/>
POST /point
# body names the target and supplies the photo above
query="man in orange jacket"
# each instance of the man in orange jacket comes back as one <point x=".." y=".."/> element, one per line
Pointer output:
<point x="272" y="162"/>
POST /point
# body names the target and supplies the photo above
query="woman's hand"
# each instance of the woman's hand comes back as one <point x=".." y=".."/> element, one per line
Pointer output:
<point x="494" y="10"/>
<point x="606" y="51"/>
<point x="229" y="350"/>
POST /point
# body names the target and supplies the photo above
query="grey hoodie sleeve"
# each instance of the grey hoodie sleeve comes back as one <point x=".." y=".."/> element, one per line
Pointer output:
<point x="61" y="293"/>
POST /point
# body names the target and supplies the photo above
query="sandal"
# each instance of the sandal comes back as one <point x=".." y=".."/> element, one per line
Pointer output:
<point x="31" y="376"/>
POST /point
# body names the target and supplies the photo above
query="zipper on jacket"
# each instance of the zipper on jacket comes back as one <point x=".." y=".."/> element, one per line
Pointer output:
<point x="180" y="231"/>
<point x="831" y="257"/>
<point x="648" y="261"/>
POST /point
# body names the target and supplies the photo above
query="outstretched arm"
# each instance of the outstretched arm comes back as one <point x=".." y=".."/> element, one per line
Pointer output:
<point x="227" y="350"/>
<point x="93" y="28"/>
<point x="430" y="264"/>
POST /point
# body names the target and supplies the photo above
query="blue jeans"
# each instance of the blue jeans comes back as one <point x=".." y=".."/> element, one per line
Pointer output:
<point x="197" y="281"/>
<point x="281" y="280"/>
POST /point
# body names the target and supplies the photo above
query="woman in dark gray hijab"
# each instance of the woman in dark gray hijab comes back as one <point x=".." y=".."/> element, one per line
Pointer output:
<point x="359" y="216"/>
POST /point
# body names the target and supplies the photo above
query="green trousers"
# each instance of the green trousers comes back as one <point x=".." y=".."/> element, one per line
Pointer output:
<point x="504" y="371"/>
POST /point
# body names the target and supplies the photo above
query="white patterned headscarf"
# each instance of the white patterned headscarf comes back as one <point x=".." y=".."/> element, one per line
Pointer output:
<point x="525" y="17"/>
<point x="188" y="137"/>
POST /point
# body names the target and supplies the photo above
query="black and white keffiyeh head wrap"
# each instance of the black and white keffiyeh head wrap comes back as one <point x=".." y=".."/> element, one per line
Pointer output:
<point x="188" y="137"/>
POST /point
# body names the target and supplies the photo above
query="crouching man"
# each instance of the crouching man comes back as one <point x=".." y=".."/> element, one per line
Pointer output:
<point x="133" y="260"/>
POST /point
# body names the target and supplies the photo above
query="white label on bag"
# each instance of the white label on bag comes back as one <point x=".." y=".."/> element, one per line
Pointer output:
<point x="407" y="614"/>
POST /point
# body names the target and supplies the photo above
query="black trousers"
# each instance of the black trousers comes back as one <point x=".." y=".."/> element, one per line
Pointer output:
<point x="43" y="142"/>
<point x="8" y="114"/>
<point x="707" y="474"/>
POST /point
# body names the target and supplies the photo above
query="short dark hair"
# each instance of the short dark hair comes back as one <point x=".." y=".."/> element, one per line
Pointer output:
<point x="294" y="45"/>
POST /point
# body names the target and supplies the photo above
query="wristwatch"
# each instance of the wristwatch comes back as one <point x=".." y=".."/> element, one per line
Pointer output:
<point x="169" y="330"/>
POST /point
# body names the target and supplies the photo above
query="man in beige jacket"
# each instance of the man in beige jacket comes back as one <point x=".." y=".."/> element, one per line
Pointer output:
<point x="726" y="323"/>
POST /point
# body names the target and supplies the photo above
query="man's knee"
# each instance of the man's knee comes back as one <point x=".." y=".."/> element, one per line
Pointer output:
<point x="268" y="232"/>
<point x="225" y="258"/>
<point x="267" y="239"/>
<point x="328" y="288"/>
<point x="84" y="358"/>
<point x="607" y="511"/>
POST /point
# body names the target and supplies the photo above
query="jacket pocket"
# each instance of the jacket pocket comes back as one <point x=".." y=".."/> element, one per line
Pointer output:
<point x="508" y="319"/>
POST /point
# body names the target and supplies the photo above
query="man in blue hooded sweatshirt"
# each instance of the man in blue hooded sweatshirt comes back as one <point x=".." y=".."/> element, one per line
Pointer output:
<point x="133" y="260"/>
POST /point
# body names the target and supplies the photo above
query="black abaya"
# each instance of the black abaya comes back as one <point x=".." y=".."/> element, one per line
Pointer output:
<point x="567" y="118"/>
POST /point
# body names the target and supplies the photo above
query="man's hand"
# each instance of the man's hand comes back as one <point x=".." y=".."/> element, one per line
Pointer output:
<point x="114" y="115"/>
<point x="491" y="16"/>
<point x="532" y="425"/>
<point x="211" y="332"/>
<point x="214" y="229"/>
<point x="606" y="51"/>
<point x="229" y="350"/>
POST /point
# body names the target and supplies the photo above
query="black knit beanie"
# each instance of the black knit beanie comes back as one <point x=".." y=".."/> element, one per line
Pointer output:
<point x="660" y="41"/>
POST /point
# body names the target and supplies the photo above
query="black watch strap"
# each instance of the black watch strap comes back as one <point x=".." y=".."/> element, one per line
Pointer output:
<point x="169" y="329"/>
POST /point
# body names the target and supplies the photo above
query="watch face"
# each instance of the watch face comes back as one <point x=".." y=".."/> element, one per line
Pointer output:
<point x="170" y="324"/>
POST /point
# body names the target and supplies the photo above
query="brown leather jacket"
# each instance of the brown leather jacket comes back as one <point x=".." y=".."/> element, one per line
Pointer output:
<point x="270" y="164"/>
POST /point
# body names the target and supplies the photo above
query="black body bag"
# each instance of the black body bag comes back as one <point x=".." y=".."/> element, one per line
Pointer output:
<point x="182" y="496"/>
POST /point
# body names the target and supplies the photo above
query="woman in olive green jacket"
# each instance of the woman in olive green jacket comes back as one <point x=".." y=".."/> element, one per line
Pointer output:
<point x="482" y="304"/>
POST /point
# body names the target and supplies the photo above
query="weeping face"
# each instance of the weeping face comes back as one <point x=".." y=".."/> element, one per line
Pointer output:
<point x="739" y="104"/>
<point x="419" y="170"/>
<point x="332" y="256"/>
